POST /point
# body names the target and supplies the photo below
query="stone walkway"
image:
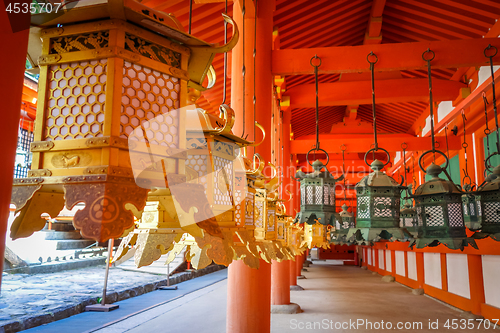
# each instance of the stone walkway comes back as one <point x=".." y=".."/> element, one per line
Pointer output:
<point x="31" y="300"/>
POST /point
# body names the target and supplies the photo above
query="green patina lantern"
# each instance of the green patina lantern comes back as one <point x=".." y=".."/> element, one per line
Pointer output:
<point x="378" y="215"/>
<point x="438" y="203"/>
<point x="317" y="195"/>
<point x="343" y="223"/>
<point x="488" y="196"/>
<point x="472" y="210"/>
<point x="408" y="217"/>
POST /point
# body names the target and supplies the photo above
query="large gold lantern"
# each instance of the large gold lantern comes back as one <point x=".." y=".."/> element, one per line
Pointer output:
<point x="105" y="70"/>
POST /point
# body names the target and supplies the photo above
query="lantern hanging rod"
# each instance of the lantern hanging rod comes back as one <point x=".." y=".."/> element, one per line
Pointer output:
<point x="254" y="68"/>
<point x="372" y="70"/>
<point x="486" y="129"/>
<point x="494" y="99"/>
<point x="190" y="15"/>
<point x="225" y="60"/>
<point x="317" y="101"/>
<point x="431" y="102"/>
<point x="243" y="69"/>
<point x="343" y="148"/>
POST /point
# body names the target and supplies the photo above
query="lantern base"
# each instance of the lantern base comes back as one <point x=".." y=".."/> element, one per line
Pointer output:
<point x="473" y="225"/>
<point x="451" y="243"/>
<point x="366" y="236"/>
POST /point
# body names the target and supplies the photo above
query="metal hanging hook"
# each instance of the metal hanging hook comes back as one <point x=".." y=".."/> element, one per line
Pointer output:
<point x="490" y="56"/>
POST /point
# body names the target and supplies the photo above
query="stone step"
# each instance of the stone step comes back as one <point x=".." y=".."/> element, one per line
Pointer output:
<point x="62" y="235"/>
<point x="71" y="244"/>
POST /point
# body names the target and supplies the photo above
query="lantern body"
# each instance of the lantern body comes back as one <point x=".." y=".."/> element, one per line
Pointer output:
<point x="408" y="218"/>
<point x="317" y="196"/>
<point x="343" y="223"/>
<point x="488" y="199"/>
<point x="99" y="81"/>
<point x="472" y="213"/>
<point x="438" y="204"/>
<point x="378" y="201"/>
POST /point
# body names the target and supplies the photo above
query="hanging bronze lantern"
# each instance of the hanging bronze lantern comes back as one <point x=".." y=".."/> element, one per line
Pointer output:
<point x="378" y="195"/>
<point x="438" y="202"/>
<point x="104" y="70"/>
<point x="338" y="235"/>
<point x="488" y="193"/>
<point x="471" y="205"/>
<point x="488" y="196"/>
<point x="408" y="217"/>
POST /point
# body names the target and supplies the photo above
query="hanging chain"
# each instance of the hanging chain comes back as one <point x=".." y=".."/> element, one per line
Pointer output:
<point x="447" y="147"/>
<point x="254" y="67"/>
<point x="404" y="146"/>
<point x="465" y="145"/>
<point x="486" y="129"/>
<point x="431" y="102"/>
<point x="372" y="69"/>
<point x="489" y="47"/>
<point x="317" y="100"/>
<point x="243" y="68"/>
<point x="225" y="61"/>
<point x="190" y="15"/>
<point x="414" y="183"/>
<point x="343" y="148"/>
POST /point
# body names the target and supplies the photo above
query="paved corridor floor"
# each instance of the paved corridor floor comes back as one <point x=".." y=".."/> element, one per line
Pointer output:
<point x="333" y="295"/>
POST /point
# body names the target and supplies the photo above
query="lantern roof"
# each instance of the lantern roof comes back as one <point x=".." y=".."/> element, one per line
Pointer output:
<point x="408" y="210"/>
<point x="378" y="178"/>
<point x="198" y="119"/>
<point x="344" y="212"/>
<point x="436" y="185"/>
<point x="492" y="182"/>
<point x="317" y="173"/>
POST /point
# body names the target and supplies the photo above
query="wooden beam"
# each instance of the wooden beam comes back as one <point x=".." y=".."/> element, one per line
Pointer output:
<point x="359" y="92"/>
<point x="392" y="57"/>
<point x="362" y="143"/>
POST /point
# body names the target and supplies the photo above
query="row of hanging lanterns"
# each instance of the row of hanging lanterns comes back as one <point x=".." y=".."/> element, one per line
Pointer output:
<point x="150" y="167"/>
<point x="442" y="211"/>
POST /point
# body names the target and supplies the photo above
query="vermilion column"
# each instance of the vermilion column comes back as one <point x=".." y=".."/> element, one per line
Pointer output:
<point x="293" y="273"/>
<point x="13" y="58"/>
<point x="249" y="290"/>
<point x="280" y="271"/>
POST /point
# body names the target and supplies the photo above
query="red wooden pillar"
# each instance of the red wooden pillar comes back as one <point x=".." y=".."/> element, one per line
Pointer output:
<point x="13" y="58"/>
<point x="249" y="290"/>
<point x="280" y="271"/>
<point x="248" y="298"/>
<point x="293" y="272"/>
<point x="420" y="269"/>
<point x="476" y="283"/>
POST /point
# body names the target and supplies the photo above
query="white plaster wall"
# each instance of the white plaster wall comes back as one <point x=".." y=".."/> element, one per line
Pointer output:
<point x="381" y="259"/>
<point x="368" y="253"/>
<point x="491" y="274"/>
<point x="457" y="273"/>
<point x="444" y="108"/>
<point x="400" y="263"/>
<point x="388" y="260"/>
<point x="485" y="73"/>
<point x="412" y="265"/>
<point x="432" y="269"/>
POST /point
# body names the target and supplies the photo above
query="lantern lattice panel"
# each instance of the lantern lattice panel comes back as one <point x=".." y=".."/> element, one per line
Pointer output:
<point x="309" y="195"/>
<point x="249" y="210"/>
<point x="492" y="212"/>
<point x="147" y="95"/>
<point x="259" y="212"/>
<point x="406" y="222"/>
<point x="434" y="216"/>
<point x="332" y="196"/>
<point x="76" y="101"/>
<point x="199" y="164"/>
<point x="364" y="207"/>
<point x="319" y="195"/>
<point x="271" y="220"/>
<point x="237" y="214"/>
<point x="223" y="180"/>
<point x="419" y="217"/>
<point x="383" y="202"/>
<point x="455" y="214"/>
<point x="479" y="209"/>
<point x="325" y="194"/>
